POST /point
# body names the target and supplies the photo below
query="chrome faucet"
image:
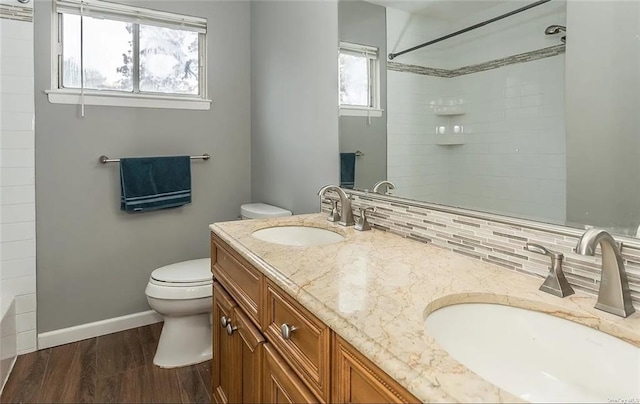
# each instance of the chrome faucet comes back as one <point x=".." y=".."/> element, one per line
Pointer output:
<point x="346" y="215"/>
<point x="379" y="184"/>
<point x="614" y="296"/>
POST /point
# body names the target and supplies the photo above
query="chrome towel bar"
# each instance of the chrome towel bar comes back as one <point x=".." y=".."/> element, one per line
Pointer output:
<point x="104" y="159"/>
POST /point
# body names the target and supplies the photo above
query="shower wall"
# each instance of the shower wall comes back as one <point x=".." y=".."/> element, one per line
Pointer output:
<point x="415" y="163"/>
<point x="502" y="145"/>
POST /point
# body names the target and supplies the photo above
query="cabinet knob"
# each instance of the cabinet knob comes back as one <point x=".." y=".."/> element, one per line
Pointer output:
<point x="231" y="329"/>
<point x="224" y="321"/>
<point x="287" y="330"/>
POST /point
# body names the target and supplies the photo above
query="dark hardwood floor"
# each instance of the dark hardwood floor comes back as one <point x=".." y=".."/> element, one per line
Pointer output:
<point x="114" y="368"/>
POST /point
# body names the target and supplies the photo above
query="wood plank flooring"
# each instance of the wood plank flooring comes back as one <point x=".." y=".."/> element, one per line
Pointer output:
<point x="114" y="368"/>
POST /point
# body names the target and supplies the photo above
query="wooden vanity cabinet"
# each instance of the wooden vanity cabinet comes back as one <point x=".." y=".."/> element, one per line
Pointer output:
<point x="238" y="277"/>
<point x="226" y="372"/>
<point x="356" y="379"/>
<point x="307" y="346"/>
<point x="306" y="363"/>
<point x="237" y="352"/>
<point x="281" y="384"/>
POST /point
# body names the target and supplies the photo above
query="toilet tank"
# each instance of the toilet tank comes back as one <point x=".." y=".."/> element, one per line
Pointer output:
<point x="262" y="210"/>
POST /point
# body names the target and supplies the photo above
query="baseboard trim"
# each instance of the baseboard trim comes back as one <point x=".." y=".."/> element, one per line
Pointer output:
<point x="96" y="329"/>
<point x="4" y="382"/>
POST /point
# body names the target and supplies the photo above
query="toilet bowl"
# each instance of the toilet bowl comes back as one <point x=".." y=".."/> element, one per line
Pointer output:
<point x="181" y="293"/>
<point x="262" y="210"/>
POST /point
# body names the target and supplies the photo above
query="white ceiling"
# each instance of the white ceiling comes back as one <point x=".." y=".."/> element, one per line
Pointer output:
<point x="448" y="10"/>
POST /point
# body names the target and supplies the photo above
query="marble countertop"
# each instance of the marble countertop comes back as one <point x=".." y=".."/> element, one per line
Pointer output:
<point x="375" y="290"/>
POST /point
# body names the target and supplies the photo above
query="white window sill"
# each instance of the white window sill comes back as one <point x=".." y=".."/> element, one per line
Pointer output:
<point x="372" y="112"/>
<point x="128" y="100"/>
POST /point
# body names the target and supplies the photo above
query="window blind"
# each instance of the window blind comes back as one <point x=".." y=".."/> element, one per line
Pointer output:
<point x="131" y="14"/>
<point x="358" y="50"/>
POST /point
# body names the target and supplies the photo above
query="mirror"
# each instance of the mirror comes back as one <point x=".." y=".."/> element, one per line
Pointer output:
<point x="505" y="118"/>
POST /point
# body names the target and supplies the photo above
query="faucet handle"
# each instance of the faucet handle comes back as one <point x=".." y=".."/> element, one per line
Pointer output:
<point x="555" y="283"/>
<point x="361" y="223"/>
<point x="334" y="216"/>
<point x="537" y="248"/>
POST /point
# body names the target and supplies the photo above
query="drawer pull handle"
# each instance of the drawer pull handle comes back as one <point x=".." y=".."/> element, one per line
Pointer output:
<point x="224" y="321"/>
<point x="287" y="330"/>
<point x="231" y="329"/>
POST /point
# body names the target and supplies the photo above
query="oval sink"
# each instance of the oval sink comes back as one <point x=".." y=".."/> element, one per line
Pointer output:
<point x="297" y="236"/>
<point x="536" y="356"/>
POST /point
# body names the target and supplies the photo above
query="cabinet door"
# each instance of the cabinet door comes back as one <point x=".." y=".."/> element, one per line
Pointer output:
<point x="356" y="379"/>
<point x="306" y="348"/>
<point x="251" y="341"/>
<point x="281" y="384"/>
<point x="227" y="370"/>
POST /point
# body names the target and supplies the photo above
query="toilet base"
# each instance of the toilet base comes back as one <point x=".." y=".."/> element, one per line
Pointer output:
<point x="184" y="341"/>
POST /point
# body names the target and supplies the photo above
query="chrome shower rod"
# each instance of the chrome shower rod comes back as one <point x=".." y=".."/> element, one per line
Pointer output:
<point x="462" y="31"/>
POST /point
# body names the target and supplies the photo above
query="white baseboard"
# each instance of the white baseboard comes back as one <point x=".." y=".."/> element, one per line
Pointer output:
<point x="103" y="327"/>
<point x="8" y="339"/>
<point x="6" y="378"/>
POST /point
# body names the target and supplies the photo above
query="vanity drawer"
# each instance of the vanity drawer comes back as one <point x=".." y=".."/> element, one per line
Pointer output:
<point x="242" y="281"/>
<point x="307" y="346"/>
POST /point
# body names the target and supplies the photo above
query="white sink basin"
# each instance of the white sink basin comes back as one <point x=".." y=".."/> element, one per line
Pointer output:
<point x="536" y="356"/>
<point x="297" y="235"/>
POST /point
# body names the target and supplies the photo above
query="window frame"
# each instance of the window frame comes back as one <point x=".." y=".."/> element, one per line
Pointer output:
<point x="372" y="54"/>
<point x="58" y="94"/>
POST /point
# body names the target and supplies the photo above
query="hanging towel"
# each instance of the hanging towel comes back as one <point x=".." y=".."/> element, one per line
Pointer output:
<point x="151" y="183"/>
<point x="347" y="170"/>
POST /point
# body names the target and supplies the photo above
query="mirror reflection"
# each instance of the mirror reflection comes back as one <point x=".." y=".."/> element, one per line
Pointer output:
<point x="512" y="107"/>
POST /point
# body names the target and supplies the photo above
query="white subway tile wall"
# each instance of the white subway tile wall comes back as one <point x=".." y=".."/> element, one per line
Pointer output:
<point x="477" y="138"/>
<point x="17" y="173"/>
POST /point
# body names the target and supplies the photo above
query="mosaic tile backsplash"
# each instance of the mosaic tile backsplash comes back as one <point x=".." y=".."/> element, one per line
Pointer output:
<point x="17" y="13"/>
<point x="498" y="243"/>
<point x="480" y="67"/>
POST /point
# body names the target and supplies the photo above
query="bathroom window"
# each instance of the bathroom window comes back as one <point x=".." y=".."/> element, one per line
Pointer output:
<point x="359" y="80"/>
<point x="113" y="54"/>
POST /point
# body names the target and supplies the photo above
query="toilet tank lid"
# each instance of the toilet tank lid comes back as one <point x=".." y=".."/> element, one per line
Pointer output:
<point x="184" y="272"/>
<point x="260" y="210"/>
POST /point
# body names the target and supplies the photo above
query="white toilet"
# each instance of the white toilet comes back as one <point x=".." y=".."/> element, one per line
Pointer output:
<point x="262" y="210"/>
<point x="181" y="293"/>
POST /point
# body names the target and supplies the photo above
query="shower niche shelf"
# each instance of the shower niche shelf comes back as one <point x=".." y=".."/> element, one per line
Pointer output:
<point x="451" y="140"/>
<point x="449" y="110"/>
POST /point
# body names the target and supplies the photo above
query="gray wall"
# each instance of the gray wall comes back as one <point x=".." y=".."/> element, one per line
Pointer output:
<point x="93" y="260"/>
<point x="366" y="24"/>
<point x="294" y="88"/>
<point x="602" y="104"/>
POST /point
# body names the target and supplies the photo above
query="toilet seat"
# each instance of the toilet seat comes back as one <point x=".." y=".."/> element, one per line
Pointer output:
<point x="262" y="210"/>
<point x="178" y="293"/>
<point x="182" y="281"/>
<point x="181" y="284"/>
<point x="186" y="272"/>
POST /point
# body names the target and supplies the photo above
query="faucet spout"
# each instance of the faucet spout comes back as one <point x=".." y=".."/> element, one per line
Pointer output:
<point x="380" y="184"/>
<point x="614" y="296"/>
<point x="346" y="215"/>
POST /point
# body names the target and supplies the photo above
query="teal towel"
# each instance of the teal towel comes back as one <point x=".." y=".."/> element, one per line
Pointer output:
<point x="347" y="170"/>
<point x="151" y="183"/>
